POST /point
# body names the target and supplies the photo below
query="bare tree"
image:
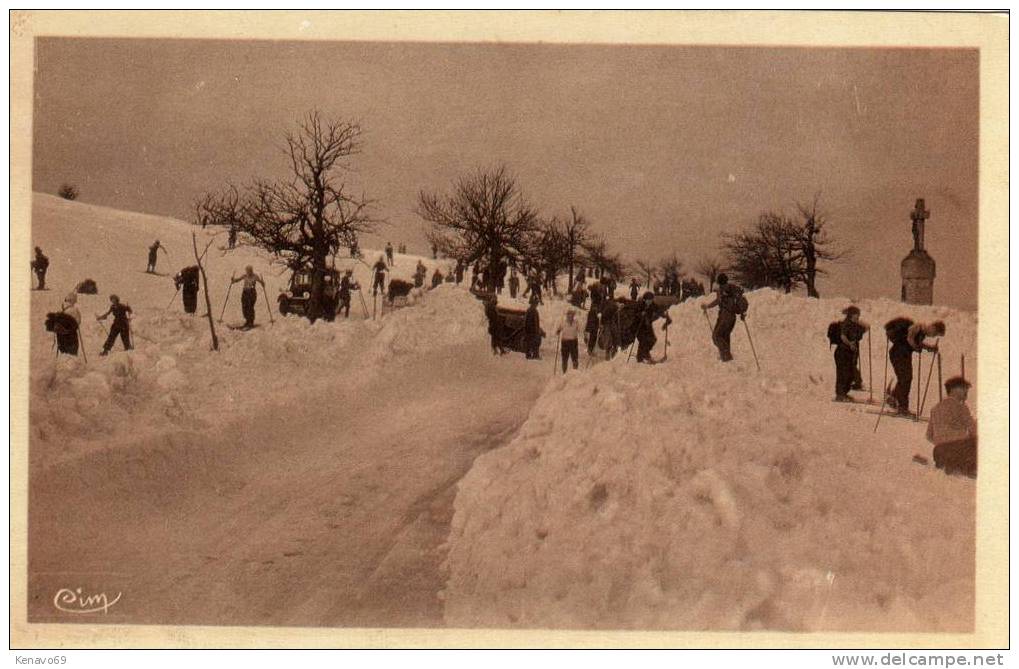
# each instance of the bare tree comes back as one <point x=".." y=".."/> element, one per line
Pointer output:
<point x="485" y="217"/>
<point x="815" y="244"/>
<point x="598" y="257"/>
<point x="305" y="219"/>
<point x="648" y="269"/>
<point x="767" y="255"/>
<point x="709" y="268"/>
<point x="576" y="236"/>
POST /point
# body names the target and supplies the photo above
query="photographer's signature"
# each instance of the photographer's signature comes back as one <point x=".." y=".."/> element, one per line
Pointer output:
<point x="74" y="601"/>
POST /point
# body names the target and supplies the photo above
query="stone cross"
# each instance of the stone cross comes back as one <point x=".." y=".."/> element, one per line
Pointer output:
<point x="919" y="216"/>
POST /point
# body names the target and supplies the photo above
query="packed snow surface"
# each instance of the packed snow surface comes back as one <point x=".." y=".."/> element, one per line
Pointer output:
<point x="700" y="495"/>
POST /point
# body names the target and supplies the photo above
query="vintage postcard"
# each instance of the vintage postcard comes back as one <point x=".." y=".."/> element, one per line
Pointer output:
<point x="547" y="329"/>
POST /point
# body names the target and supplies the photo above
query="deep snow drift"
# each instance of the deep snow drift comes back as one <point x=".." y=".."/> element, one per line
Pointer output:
<point x="697" y="495"/>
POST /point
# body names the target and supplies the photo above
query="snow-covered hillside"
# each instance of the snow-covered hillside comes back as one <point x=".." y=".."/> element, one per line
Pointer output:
<point x="685" y="495"/>
<point x="171" y="382"/>
<point x="697" y="495"/>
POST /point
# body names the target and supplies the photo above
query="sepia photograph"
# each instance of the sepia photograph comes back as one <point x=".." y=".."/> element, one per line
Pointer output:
<point x="499" y="331"/>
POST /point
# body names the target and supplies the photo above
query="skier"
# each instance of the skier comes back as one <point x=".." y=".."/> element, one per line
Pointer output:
<point x="532" y="331"/>
<point x="39" y="266"/>
<point x="436" y="278"/>
<point x="187" y="279"/>
<point x="568" y="332"/>
<point x="459" y="272"/>
<point x="419" y="274"/>
<point x="634" y="289"/>
<point x="597" y="295"/>
<point x="591" y="328"/>
<point x="579" y="297"/>
<point x="953" y="431"/>
<point x="494" y="326"/>
<point x="151" y="268"/>
<point x="907" y="338"/>
<point x="610" y="287"/>
<point x="389" y="253"/>
<point x="610" y="328"/>
<point x="231" y="239"/>
<point x="435" y="252"/>
<point x="378" y="284"/>
<point x="346" y="285"/>
<point x="249" y="294"/>
<point x="514" y="283"/>
<point x="847" y="347"/>
<point x="646" y="317"/>
<point x="121" y="325"/>
<point x="730" y="302"/>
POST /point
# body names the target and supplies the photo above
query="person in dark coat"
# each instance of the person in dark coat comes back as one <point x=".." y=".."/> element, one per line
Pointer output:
<point x="901" y="357"/>
<point x="847" y="352"/>
<point x="186" y="281"/>
<point x="534" y="288"/>
<point x="532" y="331"/>
<point x="436" y="278"/>
<point x="514" y="283"/>
<point x="591" y="328"/>
<point x="39" y="266"/>
<point x="634" y="289"/>
<point x="121" y="325"/>
<point x="379" y="282"/>
<point x="346" y="285"/>
<point x="494" y="326"/>
<point x="727" y="312"/>
<point x="646" y="338"/>
<point x="459" y="272"/>
<point x="389" y="252"/>
<point x="609" y="335"/>
<point x="597" y="292"/>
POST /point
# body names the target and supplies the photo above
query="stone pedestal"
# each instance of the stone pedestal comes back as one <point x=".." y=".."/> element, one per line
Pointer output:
<point x="918" y="271"/>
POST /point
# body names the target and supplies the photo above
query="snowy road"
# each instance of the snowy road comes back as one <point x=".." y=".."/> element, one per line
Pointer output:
<point x="333" y="514"/>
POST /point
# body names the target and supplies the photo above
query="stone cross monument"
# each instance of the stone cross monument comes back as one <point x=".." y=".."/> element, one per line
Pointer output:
<point x="918" y="269"/>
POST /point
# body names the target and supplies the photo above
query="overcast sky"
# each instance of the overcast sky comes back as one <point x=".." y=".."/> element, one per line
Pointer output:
<point x="662" y="148"/>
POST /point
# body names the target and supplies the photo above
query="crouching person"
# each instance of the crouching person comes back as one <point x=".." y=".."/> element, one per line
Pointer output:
<point x="953" y="431"/>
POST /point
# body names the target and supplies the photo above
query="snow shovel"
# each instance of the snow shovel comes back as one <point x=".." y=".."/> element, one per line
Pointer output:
<point x="751" y="339"/>
<point x="227" y="300"/>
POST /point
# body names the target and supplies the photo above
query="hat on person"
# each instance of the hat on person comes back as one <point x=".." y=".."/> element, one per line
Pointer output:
<point x="722" y="279"/>
<point x="851" y="311"/>
<point x="648" y="296"/>
<point x="955" y="382"/>
<point x="71" y="298"/>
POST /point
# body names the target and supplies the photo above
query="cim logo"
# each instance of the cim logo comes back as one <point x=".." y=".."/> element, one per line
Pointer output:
<point x="74" y="601"/>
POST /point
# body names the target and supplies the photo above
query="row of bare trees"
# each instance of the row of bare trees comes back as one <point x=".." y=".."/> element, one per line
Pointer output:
<point x="484" y="218"/>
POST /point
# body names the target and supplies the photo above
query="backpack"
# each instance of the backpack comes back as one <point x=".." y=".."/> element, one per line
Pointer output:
<point x="734" y="300"/>
<point x="897" y="329"/>
<point x="835" y="333"/>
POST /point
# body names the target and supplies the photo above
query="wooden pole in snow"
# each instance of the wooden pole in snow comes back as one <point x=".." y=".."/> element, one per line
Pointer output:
<point x="205" y="284"/>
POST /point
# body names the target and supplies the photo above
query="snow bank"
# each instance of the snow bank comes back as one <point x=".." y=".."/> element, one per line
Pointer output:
<point x="697" y="495"/>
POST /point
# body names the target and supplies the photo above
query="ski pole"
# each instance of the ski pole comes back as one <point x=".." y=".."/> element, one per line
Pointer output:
<point x="870" y="369"/>
<point x="941" y="388"/>
<point x="919" y="377"/>
<point x="884" y="388"/>
<point x="227" y="300"/>
<point x="751" y="339"/>
<point x="81" y="342"/>
<point x="555" y="360"/>
<point x="930" y="373"/>
<point x="267" y="307"/>
<point x="666" y="356"/>
<point x="172" y="299"/>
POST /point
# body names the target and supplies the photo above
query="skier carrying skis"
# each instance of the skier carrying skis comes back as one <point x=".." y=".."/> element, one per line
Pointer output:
<point x="249" y="294"/>
<point x="731" y="303"/>
<point x="39" y="266"/>
<point x="151" y="268"/>
<point x="187" y="279"/>
<point x="907" y="338"/>
<point x="121" y="325"/>
<point x="847" y="346"/>
<point x="953" y="431"/>
<point x="568" y="332"/>
<point x="378" y="283"/>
